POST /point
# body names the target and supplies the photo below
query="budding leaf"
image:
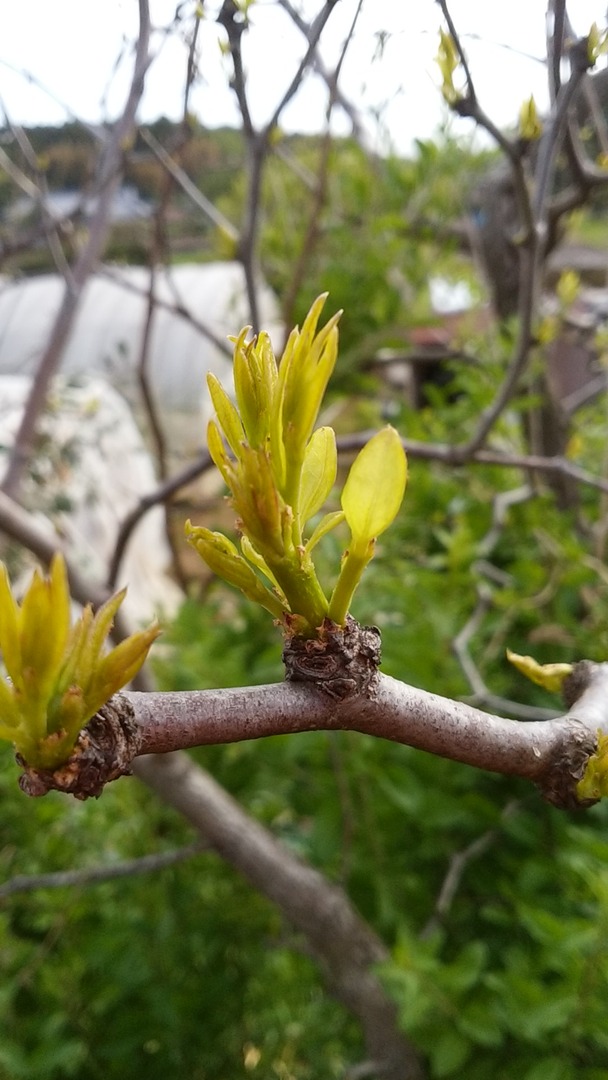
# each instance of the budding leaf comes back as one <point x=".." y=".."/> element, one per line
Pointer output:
<point x="223" y="558"/>
<point x="226" y="413"/>
<point x="318" y="472"/>
<point x="59" y="676"/>
<point x="597" y="43"/>
<point x="375" y="486"/>
<point x="448" y="60"/>
<point x="530" y="126"/>
<point x="568" y="288"/>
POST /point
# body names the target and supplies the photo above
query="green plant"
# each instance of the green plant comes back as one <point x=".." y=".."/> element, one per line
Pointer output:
<point x="58" y="674"/>
<point x="281" y="473"/>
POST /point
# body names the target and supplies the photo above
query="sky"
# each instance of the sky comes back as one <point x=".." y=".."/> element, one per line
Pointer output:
<point x="61" y="59"/>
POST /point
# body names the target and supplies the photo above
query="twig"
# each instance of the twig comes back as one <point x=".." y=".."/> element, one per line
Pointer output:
<point x="325" y="73"/>
<point x="258" y="142"/>
<point x="458" y="864"/>
<point x="177" y="307"/>
<point x="185" y="183"/>
<point x="311" y="233"/>
<point x="96" y="875"/>
<point x="159" y="495"/>
<point x="458" y="457"/>
<point x="481" y="694"/>
<point x="38" y="193"/>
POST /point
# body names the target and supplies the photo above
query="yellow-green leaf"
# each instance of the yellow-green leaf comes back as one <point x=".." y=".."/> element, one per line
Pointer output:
<point x="568" y="287"/>
<point x="118" y="668"/>
<point x="218" y="453"/>
<point x="253" y="556"/>
<point x="597" y="43"/>
<point x="375" y="486"/>
<point x="222" y="557"/>
<point x="318" y="472"/>
<point x="549" y="676"/>
<point x="325" y="526"/>
<point x="254" y="383"/>
<point x="448" y="60"/>
<point x="9" y="713"/>
<point x="530" y="126"/>
<point x="10" y="642"/>
<point x="227" y="415"/>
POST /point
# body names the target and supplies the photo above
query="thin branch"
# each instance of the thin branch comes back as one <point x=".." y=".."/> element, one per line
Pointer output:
<point x="177" y="307"/>
<point x="160" y="495"/>
<point x="327" y="75"/>
<point x="143" y="375"/>
<point x="394" y="711"/>
<point x="38" y="192"/>
<point x="555" y="46"/>
<point x="185" y="183"/>
<point x="459" y="456"/>
<point x="259" y="142"/>
<point x="311" y="233"/>
<point x="552" y="754"/>
<point x="313" y="37"/>
<point x="536" y="214"/>
<point x="458" y="864"/>
<point x="96" y="875"/>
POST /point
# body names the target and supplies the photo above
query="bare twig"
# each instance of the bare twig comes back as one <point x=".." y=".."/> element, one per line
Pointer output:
<point x="456" y="456"/>
<point x="185" y="183"/>
<point x="458" y="864"/>
<point x="311" y="233"/>
<point x="159" y="495"/>
<point x="38" y="192"/>
<point x="481" y="695"/>
<point x="177" y="307"/>
<point x="327" y="75"/>
<point x="96" y="875"/>
<point x="259" y="142"/>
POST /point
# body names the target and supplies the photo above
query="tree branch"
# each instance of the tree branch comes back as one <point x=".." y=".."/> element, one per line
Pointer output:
<point x="552" y="754"/>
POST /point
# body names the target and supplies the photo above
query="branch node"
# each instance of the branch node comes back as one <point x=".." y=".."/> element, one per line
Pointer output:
<point x="104" y="751"/>
<point x="558" y="783"/>
<point x="342" y="661"/>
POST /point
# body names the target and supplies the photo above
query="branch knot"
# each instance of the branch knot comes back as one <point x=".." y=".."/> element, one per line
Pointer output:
<point x="104" y="752"/>
<point x="342" y="661"/>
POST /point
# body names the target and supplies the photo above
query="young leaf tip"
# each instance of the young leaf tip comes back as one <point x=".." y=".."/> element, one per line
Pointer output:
<point x="549" y="676"/>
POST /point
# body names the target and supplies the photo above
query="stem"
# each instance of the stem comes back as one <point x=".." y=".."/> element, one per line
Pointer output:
<point x="351" y="572"/>
<point x="297" y="578"/>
